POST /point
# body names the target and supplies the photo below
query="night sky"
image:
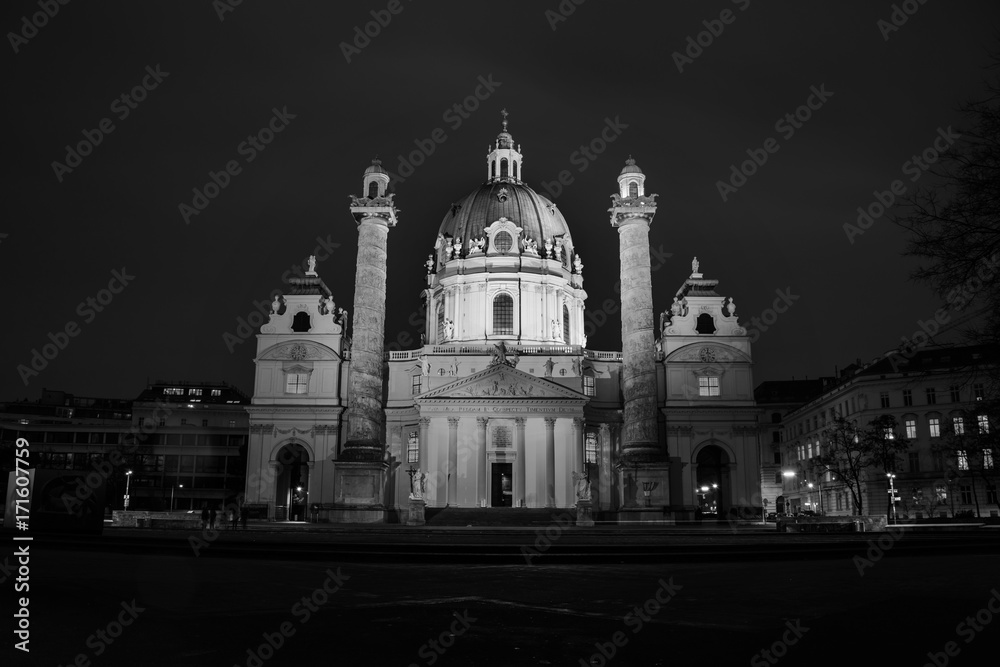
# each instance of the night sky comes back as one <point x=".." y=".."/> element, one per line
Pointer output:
<point x="219" y="80"/>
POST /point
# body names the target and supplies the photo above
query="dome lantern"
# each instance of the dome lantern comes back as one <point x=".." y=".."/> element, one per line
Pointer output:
<point x="631" y="180"/>
<point x="504" y="162"/>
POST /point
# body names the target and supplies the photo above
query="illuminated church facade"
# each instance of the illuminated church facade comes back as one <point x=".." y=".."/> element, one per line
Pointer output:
<point x="503" y="401"/>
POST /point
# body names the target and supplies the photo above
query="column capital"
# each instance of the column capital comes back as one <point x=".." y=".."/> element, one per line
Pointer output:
<point x="550" y="422"/>
<point x="453" y="422"/>
<point x="424" y="421"/>
<point x="482" y="421"/>
<point x="578" y="422"/>
<point x="520" y="421"/>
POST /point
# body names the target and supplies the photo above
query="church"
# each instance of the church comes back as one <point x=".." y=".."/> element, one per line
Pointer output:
<point x="503" y="405"/>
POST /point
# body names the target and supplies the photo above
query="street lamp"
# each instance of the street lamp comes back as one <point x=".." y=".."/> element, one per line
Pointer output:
<point x="892" y="492"/>
<point x="128" y="477"/>
<point x="179" y="486"/>
<point x="809" y="497"/>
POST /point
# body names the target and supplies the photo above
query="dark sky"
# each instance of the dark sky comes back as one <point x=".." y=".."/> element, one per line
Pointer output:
<point x="782" y="230"/>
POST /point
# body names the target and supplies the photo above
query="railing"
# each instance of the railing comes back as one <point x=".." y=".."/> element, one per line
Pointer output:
<point x="485" y="350"/>
<point x="603" y="356"/>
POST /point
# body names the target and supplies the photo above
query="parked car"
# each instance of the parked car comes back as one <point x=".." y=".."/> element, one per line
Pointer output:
<point x="771" y="516"/>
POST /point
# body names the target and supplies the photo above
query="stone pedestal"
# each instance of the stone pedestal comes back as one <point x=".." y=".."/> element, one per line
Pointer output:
<point x="359" y="488"/>
<point x="415" y="516"/>
<point x="584" y="513"/>
<point x="633" y="478"/>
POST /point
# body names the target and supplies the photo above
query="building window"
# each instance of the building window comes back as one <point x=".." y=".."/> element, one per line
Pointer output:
<point x="163" y="422"/>
<point x="194" y="392"/>
<point x="503" y="315"/>
<point x="590" y="448"/>
<point x="938" y="459"/>
<point x="935" y="426"/>
<point x="493" y="169"/>
<point x="907" y="397"/>
<point x="515" y="170"/>
<point x="301" y="323"/>
<point x="914" y="458"/>
<point x="173" y="391"/>
<point x="777" y="477"/>
<point x="884" y="397"/>
<point x="588" y="386"/>
<point x="776" y="437"/>
<point x="440" y="322"/>
<point x="415" y="385"/>
<point x="963" y="460"/>
<point x="232" y="423"/>
<point x="708" y="386"/>
<point x="373" y="190"/>
<point x="776" y="458"/>
<point x="959" y="425"/>
<point x="297" y="383"/>
<point x="911" y="428"/>
<point x="984" y="423"/>
<point x="565" y="315"/>
<point x="931" y="396"/>
<point x="888" y="433"/>
<point x="503" y="168"/>
<point x="966" y="491"/>
<point x="184" y="421"/>
<point x="413" y="448"/>
<point x="987" y="459"/>
<point x="204" y="422"/>
<point x="991" y="494"/>
<point x="502" y="242"/>
<point x="705" y="324"/>
<point x="633" y="189"/>
<point x="956" y="396"/>
<point x="978" y="392"/>
<point x="216" y="392"/>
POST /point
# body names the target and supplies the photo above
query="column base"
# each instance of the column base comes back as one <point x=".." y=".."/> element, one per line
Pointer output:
<point x="358" y="492"/>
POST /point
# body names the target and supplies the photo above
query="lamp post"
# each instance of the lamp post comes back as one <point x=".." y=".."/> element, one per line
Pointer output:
<point x="788" y="475"/>
<point x="809" y="496"/>
<point x="892" y="492"/>
<point x="179" y="486"/>
<point x="128" y="477"/>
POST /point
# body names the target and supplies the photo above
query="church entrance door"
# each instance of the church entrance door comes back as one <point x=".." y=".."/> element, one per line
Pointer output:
<point x="502" y="485"/>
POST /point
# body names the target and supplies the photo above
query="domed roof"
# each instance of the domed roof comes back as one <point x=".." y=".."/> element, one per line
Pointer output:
<point x="536" y="215"/>
<point x="376" y="167"/>
<point x="630" y="167"/>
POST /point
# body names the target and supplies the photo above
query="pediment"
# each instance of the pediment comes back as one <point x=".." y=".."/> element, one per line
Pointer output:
<point x="502" y="382"/>
<point x="299" y="350"/>
<point x="707" y="353"/>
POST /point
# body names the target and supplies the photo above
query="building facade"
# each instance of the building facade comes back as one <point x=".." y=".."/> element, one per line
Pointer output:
<point x="503" y="404"/>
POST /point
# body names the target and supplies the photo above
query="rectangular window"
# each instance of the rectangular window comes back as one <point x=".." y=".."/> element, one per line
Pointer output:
<point x="708" y="386"/>
<point x="413" y="448"/>
<point x="232" y="423"/>
<point x="938" y="458"/>
<point x="590" y="448"/>
<point x="931" y="396"/>
<point x="415" y="385"/>
<point x="884" y="398"/>
<point x="184" y="422"/>
<point x="988" y="459"/>
<point x="935" y="426"/>
<point x="777" y="458"/>
<point x="978" y="392"/>
<point x="956" y="396"/>
<point x="216" y="392"/>
<point x="777" y="477"/>
<point x="588" y="386"/>
<point x="991" y="494"/>
<point x="959" y="424"/>
<point x="911" y="428"/>
<point x="194" y="392"/>
<point x="984" y="423"/>
<point x="888" y="433"/>
<point x="296" y="383"/>
<point x="963" y="460"/>
<point x="907" y="397"/>
<point x="163" y="422"/>
<point x="173" y="391"/>
<point x="776" y="437"/>
<point x="204" y="423"/>
<point x="914" y="458"/>
<point x="966" y="491"/>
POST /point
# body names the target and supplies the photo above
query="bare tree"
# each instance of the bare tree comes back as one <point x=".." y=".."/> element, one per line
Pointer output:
<point x="971" y="450"/>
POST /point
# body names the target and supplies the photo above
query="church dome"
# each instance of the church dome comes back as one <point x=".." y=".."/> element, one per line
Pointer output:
<point x="630" y="167"/>
<point x="536" y="215"/>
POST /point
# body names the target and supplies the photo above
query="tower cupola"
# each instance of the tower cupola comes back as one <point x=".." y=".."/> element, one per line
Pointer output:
<point x="503" y="161"/>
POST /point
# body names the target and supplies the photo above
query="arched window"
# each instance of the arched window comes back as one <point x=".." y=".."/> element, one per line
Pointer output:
<point x="705" y="324"/>
<point x="633" y="189"/>
<point x="373" y="190"/>
<point x="493" y="169"/>
<point x="565" y="324"/>
<point x="440" y="323"/>
<point x="515" y="169"/>
<point x="301" y="323"/>
<point x="503" y="315"/>
<point x="502" y="242"/>
<point x="503" y="168"/>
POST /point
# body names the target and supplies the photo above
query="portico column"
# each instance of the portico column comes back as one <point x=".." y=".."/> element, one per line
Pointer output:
<point x="519" y="463"/>
<point x="550" y="462"/>
<point x="481" y="422"/>
<point x="453" y="461"/>
<point x="424" y="443"/>
<point x="578" y="464"/>
<point x="604" y="469"/>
